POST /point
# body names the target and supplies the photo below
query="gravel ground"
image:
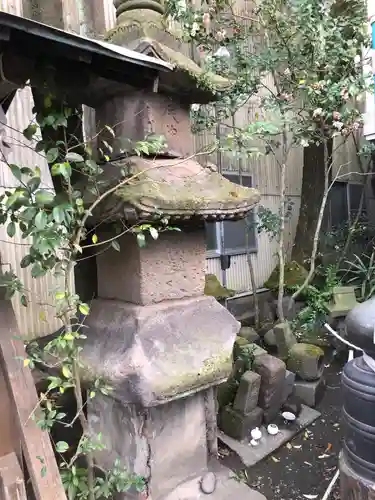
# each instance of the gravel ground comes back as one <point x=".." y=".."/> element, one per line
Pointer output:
<point x="303" y="468"/>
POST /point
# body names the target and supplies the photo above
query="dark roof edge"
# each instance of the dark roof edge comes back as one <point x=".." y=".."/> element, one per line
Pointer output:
<point x="46" y="32"/>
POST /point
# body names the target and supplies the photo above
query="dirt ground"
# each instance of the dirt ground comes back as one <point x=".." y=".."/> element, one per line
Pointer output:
<point x="303" y="468"/>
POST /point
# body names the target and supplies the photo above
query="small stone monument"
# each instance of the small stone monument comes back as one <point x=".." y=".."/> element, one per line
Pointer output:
<point x="152" y="333"/>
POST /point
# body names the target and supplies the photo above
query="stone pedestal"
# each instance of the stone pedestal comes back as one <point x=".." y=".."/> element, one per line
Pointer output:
<point x="162" y="345"/>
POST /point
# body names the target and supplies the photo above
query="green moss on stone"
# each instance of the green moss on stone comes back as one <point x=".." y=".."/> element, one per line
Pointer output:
<point x="294" y="275"/>
<point x="213" y="370"/>
<point x="214" y="288"/>
<point x="139" y="27"/>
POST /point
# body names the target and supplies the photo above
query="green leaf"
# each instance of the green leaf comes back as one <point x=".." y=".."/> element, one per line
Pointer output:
<point x="49" y="120"/>
<point x="41" y="145"/>
<point x="66" y="371"/>
<point x="91" y="164"/>
<point x="154" y="233"/>
<point x="16" y="171"/>
<point x="74" y="157"/>
<point x="141" y="240"/>
<point x="63" y="169"/>
<point x="26" y="261"/>
<point x="41" y="220"/>
<point x="94" y="239"/>
<point x="115" y="245"/>
<point x="34" y="183"/>
<point x="84" y="309"/>
<point x="62" y="447"/>
<point x="37" y="270"/>
<point x="47" y="101"/>
<point x="30" y="131"/>
<point x="11" y="229"/>
<point x="58" y="214"/>
<point x="24" y="300"/>
<point x="52" y="155"/>
<point x="44" y="197"/>
<point x="61" y="122"/>
<point x="13" y="198"/>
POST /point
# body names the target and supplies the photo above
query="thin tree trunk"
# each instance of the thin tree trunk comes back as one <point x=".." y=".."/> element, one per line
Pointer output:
<point x="252" y="280"/>
<point x="281" y="252"/>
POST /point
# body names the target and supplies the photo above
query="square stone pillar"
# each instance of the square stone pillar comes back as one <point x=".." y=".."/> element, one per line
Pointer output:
<point x="143" y="113"/>
<point x="170" y="268"/>
<point x="163" y="346"/>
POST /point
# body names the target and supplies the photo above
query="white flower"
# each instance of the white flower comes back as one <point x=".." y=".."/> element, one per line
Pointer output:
<point x="220" y="35"/>
<point x="195" y="27"/>
<point x="357" y="59"/>
<point x="355" y="125"/>
<point x="338" y="125"/>
<point x="317" y="112"/>
<point x="195" y="107"/>
<point x="304" y="143"/>
<point x="222" y="52"/>
<point x="287" y="72"/>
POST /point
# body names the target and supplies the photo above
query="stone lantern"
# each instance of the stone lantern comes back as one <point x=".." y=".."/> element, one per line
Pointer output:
<point x="357" y="461"/>
<point x="152" y="333"/>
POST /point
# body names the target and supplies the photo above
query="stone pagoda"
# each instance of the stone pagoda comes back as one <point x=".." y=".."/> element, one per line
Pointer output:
<point x="161" y="343"/>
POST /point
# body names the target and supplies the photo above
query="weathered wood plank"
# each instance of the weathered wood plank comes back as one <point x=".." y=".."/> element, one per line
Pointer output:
<point x="12" y="484"/>
<point x="9" y="437"/>
<point x="36" y="445"/>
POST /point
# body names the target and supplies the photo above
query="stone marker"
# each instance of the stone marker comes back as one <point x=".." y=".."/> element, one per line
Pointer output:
<point x="284" y="339"/>
<point x="248" y="393"/>
<point x="289" y="381"/>
<point x="343" y="301"/>
<point x="306" y="361"/>
<point x="272" y="371"/>
<point x="238" y="426"/>
<point x="310" y="393"/>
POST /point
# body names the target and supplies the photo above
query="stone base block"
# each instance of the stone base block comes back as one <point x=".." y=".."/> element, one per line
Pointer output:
<point x="250" y="455"/>
<point x="310" y="393"/>
<point x="237" y="425"/>
<point x="227" y="487"/>
<point x="290" y="379"/>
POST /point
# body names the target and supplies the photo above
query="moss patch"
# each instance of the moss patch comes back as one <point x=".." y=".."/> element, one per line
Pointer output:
<point x="214" y="288"/>
<point x="213" y="370"/>
<point x="294" y="275"/>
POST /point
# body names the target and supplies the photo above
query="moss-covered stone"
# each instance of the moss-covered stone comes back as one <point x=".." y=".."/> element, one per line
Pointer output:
<point x="146" y="30"/>
<point x="214" y="369"/>
<point x="214" y="288"/>
<point x="172" y="188"/>
<point x="294" y="275"/>
<point x="306" y="361"/>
